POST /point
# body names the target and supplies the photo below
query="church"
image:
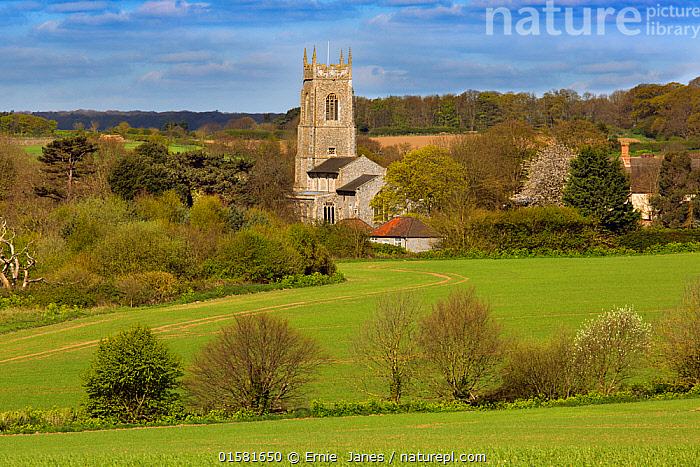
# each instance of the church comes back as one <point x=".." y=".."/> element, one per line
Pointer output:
<point x="331" y="183"/>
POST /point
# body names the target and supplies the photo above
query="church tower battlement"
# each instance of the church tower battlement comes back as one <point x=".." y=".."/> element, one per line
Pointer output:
<point x="327" y="125"/>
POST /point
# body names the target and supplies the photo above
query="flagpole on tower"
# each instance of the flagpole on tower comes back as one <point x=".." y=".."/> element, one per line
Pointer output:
<point x="328" y="54"/>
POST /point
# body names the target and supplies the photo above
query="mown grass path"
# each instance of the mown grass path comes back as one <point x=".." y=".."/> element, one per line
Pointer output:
<point x="533" y="298"/>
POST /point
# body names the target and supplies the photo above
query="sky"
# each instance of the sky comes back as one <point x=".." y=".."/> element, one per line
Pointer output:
<point x="246" y="56"/>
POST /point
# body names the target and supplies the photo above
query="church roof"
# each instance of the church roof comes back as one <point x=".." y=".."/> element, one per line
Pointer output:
<point x="332" y="165"/>
<point x="404" y="227"/>
<point x="350" y="188"/>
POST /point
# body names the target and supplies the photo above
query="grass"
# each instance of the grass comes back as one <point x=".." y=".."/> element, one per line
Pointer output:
<point x="34" y="151"/>
<point x="648" y="433"/>
<point x="533" y="298"/>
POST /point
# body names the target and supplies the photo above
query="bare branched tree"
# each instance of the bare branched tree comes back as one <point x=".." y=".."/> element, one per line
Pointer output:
<point x="386" y="347"/>
<point x="259" y="363"/>
<point x="14" y="264"/>
<point x="547" y="175"/>
<point x="462" y="345"/>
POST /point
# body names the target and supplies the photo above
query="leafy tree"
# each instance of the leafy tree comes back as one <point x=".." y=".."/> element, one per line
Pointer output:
<point x="598" y="188"/>
<point x="271" y="179"/>
<point x="547" y="176"/>
<point x="608" y="347"/>
<point x="580" y="133"/>
<point x="132" y="377"/>
<point x="421" y="182"/>
<point x="680" y="336"/>
<point x="677" y="183"/>
<point x="461" y="344"/>
<point x="493" y="163"/>
<point x="260" y="363"/>
<point x="314" y="256"/>
<point x="63" y="162"/>
<point x="386" y="346"/>
<point x="145" y="170"/>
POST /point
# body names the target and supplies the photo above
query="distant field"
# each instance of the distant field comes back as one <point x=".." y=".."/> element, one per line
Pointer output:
<point x="532" y="298"/>
<point x="34" y="151"/>
<point x="417" y="141"/>
<point x="636" y="434"/>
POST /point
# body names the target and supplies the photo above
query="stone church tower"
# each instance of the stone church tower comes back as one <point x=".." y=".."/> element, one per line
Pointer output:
<point x="326" y="125"/>
<point x="331" y="183"/>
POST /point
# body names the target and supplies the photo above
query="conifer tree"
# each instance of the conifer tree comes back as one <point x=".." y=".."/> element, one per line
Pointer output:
<point x="598" y="188"/>
<point x="63" y="162"/>
<point x="677" y="182"/>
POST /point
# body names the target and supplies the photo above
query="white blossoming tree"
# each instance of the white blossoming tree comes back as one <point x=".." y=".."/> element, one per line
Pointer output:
<point x="547" y="175"/>
<point x="608" y="346"/>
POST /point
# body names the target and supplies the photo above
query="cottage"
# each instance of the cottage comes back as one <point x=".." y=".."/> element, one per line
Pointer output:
<point x="406" y="232"/>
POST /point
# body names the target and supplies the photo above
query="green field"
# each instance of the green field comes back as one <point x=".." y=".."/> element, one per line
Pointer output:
<point x="532" y="298"/>
<point x="649" y="433"/>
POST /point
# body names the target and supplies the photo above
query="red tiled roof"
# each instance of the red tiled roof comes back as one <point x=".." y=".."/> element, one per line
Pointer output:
<point x="404" y="227"/>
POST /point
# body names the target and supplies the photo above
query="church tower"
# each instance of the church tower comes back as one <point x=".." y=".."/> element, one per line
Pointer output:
<point x="326" y="126"/>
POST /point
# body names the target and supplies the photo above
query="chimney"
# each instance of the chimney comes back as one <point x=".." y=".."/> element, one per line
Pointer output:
<point x="625" y="153"/>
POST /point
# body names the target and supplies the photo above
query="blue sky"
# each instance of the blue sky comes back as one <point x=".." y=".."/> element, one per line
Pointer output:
<point x="246" y="56"/>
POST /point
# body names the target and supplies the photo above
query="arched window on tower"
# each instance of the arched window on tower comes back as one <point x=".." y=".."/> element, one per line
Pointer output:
<point x="331" y="107"/>
<point x="307" y="116"/>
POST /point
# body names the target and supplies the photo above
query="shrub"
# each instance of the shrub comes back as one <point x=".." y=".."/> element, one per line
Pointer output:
<point x="147" y="288"/>
<point x="166" y="208"/>
<point x="249" y="256"/>
<point x="85" y="223"/>
<point x="680" y="333"/>
<point x="541" y="369"/>
<point x="260" y="363"/>
<point x="461" y="344"/>
<point x="209" y="214"/>
<point x="344" y="240"/>
<point x="132" y="377"/>
<point x="314" y="255"/>
<point x="534" y="228"/>
<point x="607" y="348"/>
<point x="140" y="247"/>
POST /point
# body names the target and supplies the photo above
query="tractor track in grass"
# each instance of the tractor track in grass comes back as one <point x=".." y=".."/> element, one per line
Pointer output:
<point x="446" y="279"/>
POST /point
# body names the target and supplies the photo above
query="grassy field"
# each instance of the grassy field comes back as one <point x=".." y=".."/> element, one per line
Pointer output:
<point x="532" y="298"/>
<point x="649" y="433"/>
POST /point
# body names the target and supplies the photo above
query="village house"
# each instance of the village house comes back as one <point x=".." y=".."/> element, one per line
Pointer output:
<point x="406" y="232"/>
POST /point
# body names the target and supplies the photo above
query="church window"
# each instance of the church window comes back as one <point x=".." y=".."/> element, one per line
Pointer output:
<point x="331" y="150"/>
<point x="331" y="107"/>
<point x="306" y="107"/>
<point x="329" y="214"/>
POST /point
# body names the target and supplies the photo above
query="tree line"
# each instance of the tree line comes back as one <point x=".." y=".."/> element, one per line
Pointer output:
<point x="654" y="110"/>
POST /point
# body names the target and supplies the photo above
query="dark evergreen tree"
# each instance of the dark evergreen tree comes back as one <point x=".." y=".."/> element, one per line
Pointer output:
<point x="145" y="170"/>
<point x="598" y="188"/>
<point x="677" y="183"/>
<point x="63" y="162"/>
